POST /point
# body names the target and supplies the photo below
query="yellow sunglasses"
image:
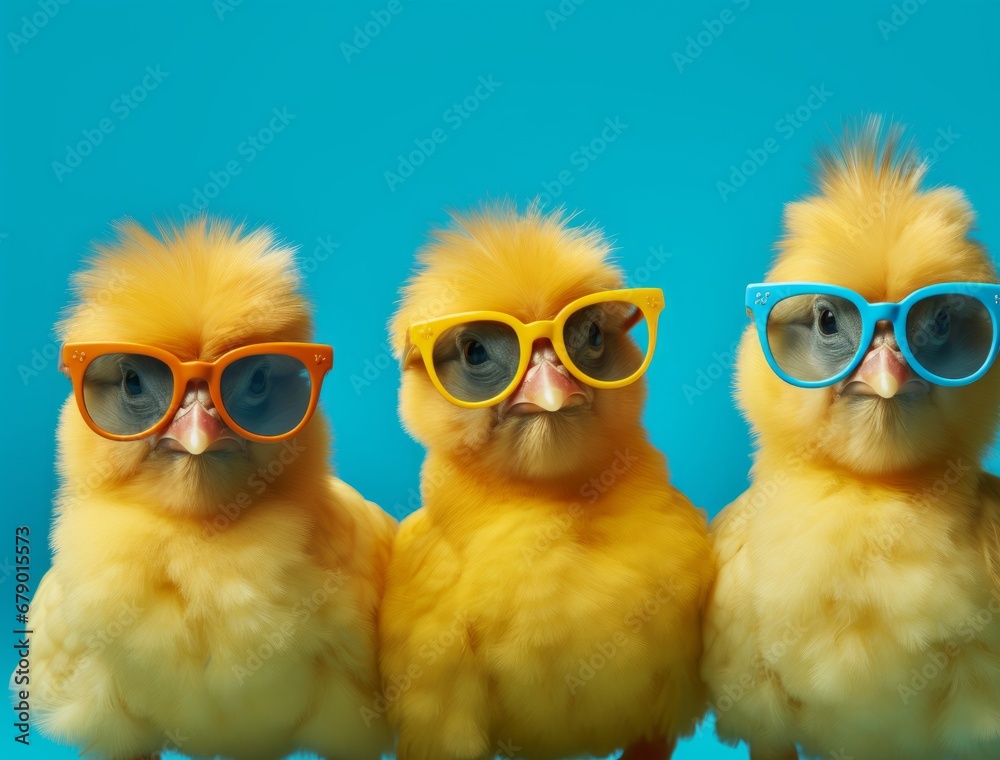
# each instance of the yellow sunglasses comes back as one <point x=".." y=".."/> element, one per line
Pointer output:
<point x="477" y="359"/>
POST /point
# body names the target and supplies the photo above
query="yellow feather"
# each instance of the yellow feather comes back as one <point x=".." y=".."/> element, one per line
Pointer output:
<point x="853" y="612"/>
<point x="545" y="601"/>
<point x="212" y="605"/>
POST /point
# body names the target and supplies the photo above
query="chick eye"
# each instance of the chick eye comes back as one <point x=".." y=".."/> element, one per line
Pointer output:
<point x="258" y="382"/>
<point x="475" y="353"/>
<point x="132" y="383"/>
<point x="828" y="322"/>
<point x="941" y="324"/>
<point x="596" y="337"/>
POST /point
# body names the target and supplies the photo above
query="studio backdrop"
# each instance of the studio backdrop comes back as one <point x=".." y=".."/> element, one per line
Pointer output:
<point x="352" y="129"/>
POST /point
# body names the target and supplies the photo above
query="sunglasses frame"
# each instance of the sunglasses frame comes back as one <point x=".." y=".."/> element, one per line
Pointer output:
<point x="761" y="298"/>
<point x="316" y="357"/>
<point x="424" y="334"/>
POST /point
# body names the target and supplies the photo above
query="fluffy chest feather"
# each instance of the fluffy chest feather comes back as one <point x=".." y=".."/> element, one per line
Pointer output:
<point x="203" y="630"/>
<point x="851" y="606"/>
<point x="573" y="619"/>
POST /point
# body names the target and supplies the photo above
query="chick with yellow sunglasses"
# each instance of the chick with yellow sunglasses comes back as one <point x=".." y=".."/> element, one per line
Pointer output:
<point x="545" y="599"/>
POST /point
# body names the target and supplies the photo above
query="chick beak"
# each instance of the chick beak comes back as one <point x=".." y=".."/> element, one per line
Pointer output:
<point x="197" y="426"/>
<point x="883" y="372"/>
<point x="547" y="386"/>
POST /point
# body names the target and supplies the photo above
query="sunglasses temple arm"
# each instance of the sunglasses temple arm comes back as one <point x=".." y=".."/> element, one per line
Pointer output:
<point x="408" y="355"/>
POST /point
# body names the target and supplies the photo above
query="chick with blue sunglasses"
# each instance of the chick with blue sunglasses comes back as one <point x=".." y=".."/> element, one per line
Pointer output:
<point x="870" y="532"/>
<point x="816" y="335"/>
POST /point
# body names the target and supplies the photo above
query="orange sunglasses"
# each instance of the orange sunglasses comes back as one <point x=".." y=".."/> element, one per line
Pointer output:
<point x="265" y="392"/>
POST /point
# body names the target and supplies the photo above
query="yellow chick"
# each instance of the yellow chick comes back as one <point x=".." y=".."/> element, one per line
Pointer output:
<point x="209" y="593"/>
<point x="546" y="599"/>
<point x="856" y="612"/>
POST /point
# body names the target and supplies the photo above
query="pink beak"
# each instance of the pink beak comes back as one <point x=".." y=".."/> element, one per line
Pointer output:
<point x="883" y="372"/>
<point x="547" y="386"/>
<point x="197" y="426"/>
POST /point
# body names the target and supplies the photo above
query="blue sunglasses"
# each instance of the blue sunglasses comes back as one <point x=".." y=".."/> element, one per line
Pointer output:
<point x="814" y="335"/>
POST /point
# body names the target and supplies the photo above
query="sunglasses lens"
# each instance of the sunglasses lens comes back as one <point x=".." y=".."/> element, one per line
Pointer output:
<point x="950" y="335"/>
<point x="127" y="394"/>
<point x="478" y="360"/>
<point x="266" y="394"/>
<point x="607" y="341"/>
<point x="814" y="337"/>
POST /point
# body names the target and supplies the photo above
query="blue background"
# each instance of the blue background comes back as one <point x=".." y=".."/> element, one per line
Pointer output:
<point x="323" y="176"/>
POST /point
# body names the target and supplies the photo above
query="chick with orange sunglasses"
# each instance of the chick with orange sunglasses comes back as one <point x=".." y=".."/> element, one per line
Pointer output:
<point x="480" y="358"/>
<point x="265" y="392"/>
